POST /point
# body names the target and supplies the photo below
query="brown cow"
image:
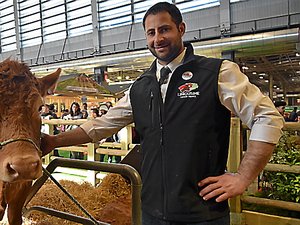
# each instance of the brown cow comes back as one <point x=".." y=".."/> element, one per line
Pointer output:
<point x="21" y="95"/>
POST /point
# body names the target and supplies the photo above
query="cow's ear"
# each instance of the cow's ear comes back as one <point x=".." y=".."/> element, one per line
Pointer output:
<point x="48" y="83"/>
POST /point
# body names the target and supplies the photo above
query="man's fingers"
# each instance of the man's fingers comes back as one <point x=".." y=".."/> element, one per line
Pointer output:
<point x="222" y="197"/>
<point x="213" y="193"/>
<point x="219" y="187"/>
<point x="209" y="189"/>
<point x="208" y="181"/>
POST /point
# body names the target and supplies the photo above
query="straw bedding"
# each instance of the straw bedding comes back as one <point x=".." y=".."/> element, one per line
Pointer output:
<point x="110" y="202"/>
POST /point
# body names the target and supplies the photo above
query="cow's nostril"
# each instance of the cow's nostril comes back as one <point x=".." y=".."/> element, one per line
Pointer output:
<point x="11" y="171"/>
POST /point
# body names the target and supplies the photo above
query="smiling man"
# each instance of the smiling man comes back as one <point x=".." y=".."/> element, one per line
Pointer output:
<point x="181" y="109"/>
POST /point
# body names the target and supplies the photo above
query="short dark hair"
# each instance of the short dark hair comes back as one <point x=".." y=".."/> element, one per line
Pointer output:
<point x="279" y="103"/>
<point x="95" y="110"/>
<point x="164" y="7"/>
<point x="51" y="107"/>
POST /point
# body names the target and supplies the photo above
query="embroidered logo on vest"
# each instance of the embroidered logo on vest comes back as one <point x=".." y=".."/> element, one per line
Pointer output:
<point x="187" y="90"/>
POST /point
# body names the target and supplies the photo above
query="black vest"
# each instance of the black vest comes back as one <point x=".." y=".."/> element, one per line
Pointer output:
<point x="183" y="140"/>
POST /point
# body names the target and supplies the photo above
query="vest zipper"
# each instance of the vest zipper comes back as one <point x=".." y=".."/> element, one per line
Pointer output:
<point x="151" y="108"/>
<point x="151" y="101"/>
<point x="161" y="127"/>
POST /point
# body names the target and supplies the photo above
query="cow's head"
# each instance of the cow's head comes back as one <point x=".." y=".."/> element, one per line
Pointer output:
<point x="21" y="95"/>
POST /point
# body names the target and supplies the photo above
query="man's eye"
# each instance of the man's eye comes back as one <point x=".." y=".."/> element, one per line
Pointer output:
<point x="150" y="33"/>
<point x="164" y="30"/>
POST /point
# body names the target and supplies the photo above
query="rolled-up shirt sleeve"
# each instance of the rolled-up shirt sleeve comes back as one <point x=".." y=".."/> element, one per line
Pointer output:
<point x="116" y="118"/>
<point x="247" y="102"/>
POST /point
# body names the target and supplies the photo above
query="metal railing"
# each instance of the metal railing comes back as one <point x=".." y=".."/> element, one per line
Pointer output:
<point x="123" y="169"/>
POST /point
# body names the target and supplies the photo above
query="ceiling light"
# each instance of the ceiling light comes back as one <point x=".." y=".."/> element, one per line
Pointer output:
<point x="267" y="81"/>
<point x="245" y="68"/>
<point x="254" y="73"/>
<point x="297" y="54"/>
<point x="127" y="77"/>
<point x="251" y="39"/>
<point x="119" y="77"/>
<point x="261" y="77"/>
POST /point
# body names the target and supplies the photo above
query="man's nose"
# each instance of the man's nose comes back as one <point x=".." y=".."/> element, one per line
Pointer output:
<point x="158" y="38"/>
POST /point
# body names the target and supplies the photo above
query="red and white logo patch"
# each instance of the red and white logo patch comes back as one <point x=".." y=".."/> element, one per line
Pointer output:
<point x="188" y="90"/>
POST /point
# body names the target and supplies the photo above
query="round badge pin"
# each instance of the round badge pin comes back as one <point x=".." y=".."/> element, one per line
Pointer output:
<point x="187" y="75"/>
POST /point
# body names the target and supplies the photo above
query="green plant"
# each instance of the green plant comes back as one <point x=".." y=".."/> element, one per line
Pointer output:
<point x="280" y="185"/>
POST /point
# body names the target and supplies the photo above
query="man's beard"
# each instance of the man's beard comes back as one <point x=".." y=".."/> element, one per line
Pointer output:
<point x="169" y="57"/>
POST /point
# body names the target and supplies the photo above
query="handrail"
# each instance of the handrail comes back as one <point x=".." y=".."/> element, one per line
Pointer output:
<point x="63" y="122"/>
<point x="273" y="203"/>
<point x="282" y="168"/>
<point x="123" y="169"/>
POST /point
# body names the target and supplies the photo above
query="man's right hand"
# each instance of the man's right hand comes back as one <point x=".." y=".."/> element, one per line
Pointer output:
<point x="76" y="136"/>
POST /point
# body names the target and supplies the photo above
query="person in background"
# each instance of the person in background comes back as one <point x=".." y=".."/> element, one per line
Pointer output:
<point x="47" y="112"/>
<point x="109" y="104"/>
<point x="181" y="108"/>
<point x="65" y="113"/>
<point x="53" y="116"/>
<point x="84" y="114"/>
<point x="95" y="113"/>
<point x="75" y="111"/>
<point x="103" y="109"/>
<point x="52" y="111"/>
<point x="286" y="116"/>
<point x="280" y="106"/>
<point x="84" y="111"/>
<point x="75" y="114"/>
<point x="293" y="115"/>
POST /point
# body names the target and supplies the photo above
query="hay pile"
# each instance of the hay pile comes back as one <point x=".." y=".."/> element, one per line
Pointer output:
<point x="110" y="202"/>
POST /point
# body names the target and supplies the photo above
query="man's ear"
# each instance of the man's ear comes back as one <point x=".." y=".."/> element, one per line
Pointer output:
<point x="181" y="28"/>
<point x="48" y="83"/>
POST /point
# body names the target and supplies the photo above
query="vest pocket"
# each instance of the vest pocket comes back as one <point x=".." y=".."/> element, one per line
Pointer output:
<point x="151" y="108"/>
